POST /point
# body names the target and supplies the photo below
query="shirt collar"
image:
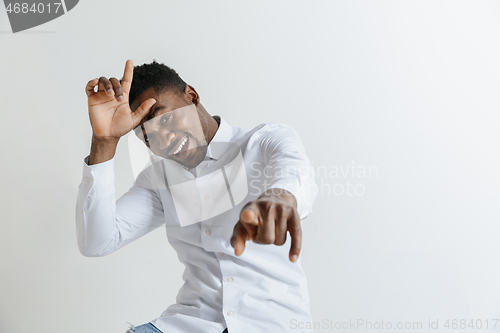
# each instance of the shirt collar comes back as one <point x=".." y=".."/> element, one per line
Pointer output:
<point x="224" y="134"/>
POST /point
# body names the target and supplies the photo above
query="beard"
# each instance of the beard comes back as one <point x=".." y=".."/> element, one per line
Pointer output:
<point x="199" y="154"/>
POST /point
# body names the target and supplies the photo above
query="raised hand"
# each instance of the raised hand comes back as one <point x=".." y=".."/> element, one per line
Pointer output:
<point x="109" y="109"/>
<point x="267" y="221"/>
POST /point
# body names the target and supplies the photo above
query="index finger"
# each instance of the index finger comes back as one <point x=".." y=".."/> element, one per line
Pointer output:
<point x="127" y="76"/>
<point x="248" y="214"/>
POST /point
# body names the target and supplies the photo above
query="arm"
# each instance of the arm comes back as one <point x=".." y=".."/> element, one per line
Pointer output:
<point x="290" y="168"/>
<point x="103" y="225"/>
<point x="289" y="198"/>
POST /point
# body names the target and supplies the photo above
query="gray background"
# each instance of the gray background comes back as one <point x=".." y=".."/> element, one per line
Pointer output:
<point x="410" y="87"/>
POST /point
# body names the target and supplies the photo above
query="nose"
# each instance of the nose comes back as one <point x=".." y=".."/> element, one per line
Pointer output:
<point x="166" y="138"/>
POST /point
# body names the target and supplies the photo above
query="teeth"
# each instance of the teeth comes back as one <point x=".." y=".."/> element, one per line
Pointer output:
<point x="181" y="145"/>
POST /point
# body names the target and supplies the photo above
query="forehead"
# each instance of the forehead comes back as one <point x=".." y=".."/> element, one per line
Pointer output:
<point x="165" y="98"/>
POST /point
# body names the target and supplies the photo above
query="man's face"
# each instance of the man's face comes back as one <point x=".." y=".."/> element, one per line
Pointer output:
<point x="174" y="128"/>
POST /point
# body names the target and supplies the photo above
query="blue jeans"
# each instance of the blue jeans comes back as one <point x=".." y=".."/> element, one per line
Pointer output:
<point x="150" y="328"/>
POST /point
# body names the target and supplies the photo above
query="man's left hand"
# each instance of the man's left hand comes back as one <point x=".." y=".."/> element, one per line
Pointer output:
<point x="267" y="220"/>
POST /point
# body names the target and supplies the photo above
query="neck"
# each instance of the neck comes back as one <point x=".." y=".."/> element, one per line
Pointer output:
<point x="213" y="125"/>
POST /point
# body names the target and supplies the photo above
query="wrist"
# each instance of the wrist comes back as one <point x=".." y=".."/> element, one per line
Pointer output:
<point x="104" y="141"/>
<point x="102" y="149"/>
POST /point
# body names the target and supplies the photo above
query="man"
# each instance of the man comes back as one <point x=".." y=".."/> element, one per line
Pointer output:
<point x="215" y="187"/>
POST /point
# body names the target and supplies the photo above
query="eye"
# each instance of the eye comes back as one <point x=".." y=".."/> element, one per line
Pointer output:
<point x="164" y="119"/>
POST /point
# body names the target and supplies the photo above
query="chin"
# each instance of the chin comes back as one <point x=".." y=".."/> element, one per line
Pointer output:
<point x="198" y="156"/>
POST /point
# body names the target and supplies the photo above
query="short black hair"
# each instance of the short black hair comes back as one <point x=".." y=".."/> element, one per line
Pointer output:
<point x="157" y="76"/>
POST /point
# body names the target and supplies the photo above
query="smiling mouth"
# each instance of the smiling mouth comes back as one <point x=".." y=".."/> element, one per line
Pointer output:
<point x="180" y="146"/>
<point x="182" y="151"/>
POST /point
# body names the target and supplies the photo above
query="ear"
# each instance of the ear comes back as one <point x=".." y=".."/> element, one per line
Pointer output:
<point x="192" y="94"/>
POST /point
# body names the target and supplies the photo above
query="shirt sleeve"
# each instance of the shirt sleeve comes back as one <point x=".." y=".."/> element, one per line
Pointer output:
<point x="103" y="225"/>
<point x="288" y="166"/>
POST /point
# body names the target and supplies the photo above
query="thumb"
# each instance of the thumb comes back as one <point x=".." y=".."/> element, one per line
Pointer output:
<point x="143" y="110"/>
<point x="248" y="215"/>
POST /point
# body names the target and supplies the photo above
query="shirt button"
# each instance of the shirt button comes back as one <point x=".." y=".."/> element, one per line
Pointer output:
<point x="90" y="179"/>
<point x="230" y="313"/>
<point x="229" y="279"/>
<point x="221" y="253"/>
<point x="206" y="196"/>
<point x="207" y="232"/>
<point x="202" y="172"/>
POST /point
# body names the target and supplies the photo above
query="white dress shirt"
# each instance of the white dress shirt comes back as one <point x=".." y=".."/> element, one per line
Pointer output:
<point x="259" y="291"/>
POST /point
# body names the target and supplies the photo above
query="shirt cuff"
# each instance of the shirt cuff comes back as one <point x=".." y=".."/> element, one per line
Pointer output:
<point x="99" y="175"/>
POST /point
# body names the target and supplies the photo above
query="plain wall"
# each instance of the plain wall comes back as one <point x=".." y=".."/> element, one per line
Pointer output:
<point x="408" y="90"/>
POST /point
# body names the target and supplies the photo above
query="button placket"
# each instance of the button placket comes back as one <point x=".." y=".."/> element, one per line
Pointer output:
<point x="230" y="293"/>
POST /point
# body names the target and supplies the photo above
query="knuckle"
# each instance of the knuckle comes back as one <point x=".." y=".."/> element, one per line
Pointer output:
<point x="280" y="241"/>
<point x="267" y="238"/>
<point x="281" y="224"/>
<point x="266" y="206"/>
<point x="279" y="208"/>
<point x="116" y="83"/>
